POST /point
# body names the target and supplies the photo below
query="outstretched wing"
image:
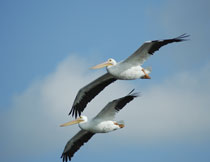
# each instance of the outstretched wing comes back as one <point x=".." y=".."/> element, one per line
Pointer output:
<point x="148" y="49"/>
<point x="87" y="93"/>
<point x="74" y="144"/>
<point x="110" y="110"/>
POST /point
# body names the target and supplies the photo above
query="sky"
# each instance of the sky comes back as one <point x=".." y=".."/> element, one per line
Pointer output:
<point x="46" y="50"/>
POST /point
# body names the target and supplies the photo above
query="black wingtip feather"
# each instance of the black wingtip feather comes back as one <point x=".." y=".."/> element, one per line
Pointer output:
<point x="182" y="37"/>
<point x="68" y="154"/>
<point x="78" y="108"/>
<point x="131" y="91"/>
<point x="124" y="100"/>
<point x="157" y="44"/>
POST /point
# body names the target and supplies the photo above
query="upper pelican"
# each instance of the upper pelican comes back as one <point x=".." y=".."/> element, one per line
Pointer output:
<point x="102" y="123"/>
<point x="128" y="69"/>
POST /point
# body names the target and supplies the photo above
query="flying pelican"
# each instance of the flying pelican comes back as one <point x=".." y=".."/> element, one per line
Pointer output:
<point x="128" y="69"/>
<point x="102" y="123"/>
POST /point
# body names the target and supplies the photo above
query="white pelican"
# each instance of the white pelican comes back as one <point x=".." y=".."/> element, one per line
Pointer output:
<point x="103" y="123"/>
<point x="128" y="69"/>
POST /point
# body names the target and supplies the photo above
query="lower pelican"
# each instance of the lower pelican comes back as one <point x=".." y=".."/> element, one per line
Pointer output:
<point x="103" y="123"/>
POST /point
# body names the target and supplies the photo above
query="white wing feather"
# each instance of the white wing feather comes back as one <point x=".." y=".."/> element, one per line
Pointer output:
<point x="111" y="109"/>
<point x="148" y="49"/>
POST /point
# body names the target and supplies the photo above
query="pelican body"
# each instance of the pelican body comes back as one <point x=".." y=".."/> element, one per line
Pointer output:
<point x="129" y="69"/>
<point x="99" y="126"/>
<point x="102" y="123"/>
<point x="123" y="72"/>
<point x="96" y="125"/>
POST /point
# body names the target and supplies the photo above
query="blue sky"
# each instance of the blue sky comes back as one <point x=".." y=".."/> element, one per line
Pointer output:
<point x="46" y="50"/>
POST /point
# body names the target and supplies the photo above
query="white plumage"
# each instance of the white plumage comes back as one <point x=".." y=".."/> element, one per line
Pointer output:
<point x="103" y="123"/>
<point x="129" y="69"/>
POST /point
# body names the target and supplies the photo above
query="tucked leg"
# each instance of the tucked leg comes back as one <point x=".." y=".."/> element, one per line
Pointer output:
<point x="120" y="125"/>
<point x="146" y="76"/>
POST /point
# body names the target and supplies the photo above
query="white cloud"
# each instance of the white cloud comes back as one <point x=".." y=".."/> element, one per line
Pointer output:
<point x="174" y="109"/>
<point x="36" y="113"/>
<point x="177" y="109"/>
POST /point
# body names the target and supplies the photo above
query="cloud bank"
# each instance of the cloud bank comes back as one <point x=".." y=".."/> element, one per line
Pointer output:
<point x="175" y="109"/>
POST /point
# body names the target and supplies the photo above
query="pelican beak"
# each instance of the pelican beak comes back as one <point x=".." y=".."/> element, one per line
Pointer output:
<point x="78" y="120"/>
<point x="101" y="65"/>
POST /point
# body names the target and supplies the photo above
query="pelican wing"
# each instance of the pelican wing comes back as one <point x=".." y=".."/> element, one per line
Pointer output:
<point x="74" y="144"/>
<point x="148" y="49"/>
<point x="110" y="110"/>
<point x="87" y="93"/>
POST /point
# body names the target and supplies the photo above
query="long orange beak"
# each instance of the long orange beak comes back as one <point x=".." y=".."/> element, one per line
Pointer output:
<point x="104" y="64"/>
<point x="78" y="120"/>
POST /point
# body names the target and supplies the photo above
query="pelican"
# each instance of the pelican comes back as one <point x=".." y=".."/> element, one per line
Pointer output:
<point x="102" y="123"/>
<point x="129" y="69"/>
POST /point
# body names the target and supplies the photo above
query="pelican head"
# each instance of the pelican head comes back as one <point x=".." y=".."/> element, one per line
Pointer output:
<point x="81" y="119"/>
<point x="109" y="62"/>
